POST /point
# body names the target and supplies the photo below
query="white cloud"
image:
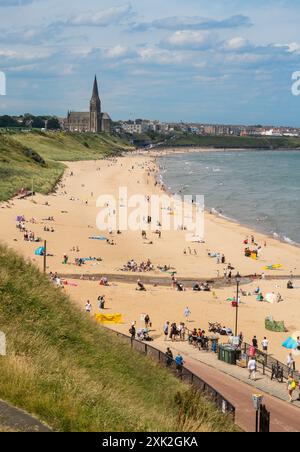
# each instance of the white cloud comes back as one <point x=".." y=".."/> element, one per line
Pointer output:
<point x="160" y="56"/>
<point x="8" y="53"/>
<point x="117" y="52"/>
<point x="210" y="79"/>
<point x="293" y="47"/>
<point x="191" y="40"/>
<point x="102" y="18"/>
<point x="236" y="43"/>
<point x="24" y="55"/>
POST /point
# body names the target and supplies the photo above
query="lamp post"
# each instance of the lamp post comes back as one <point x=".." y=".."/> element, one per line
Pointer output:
<point x="238" y="279"/>
<point x="257" y="401"/>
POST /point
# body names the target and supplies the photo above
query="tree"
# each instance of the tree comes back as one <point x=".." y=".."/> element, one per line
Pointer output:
<point x="53" y="123"/>
<point x="8" y="121"/>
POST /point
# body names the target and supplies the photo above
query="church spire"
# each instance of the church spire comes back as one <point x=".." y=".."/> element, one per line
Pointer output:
<point x="95" y="89"/>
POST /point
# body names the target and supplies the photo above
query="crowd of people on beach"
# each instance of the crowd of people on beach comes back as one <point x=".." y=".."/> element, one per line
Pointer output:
<point x="28" y="235"/>
<point x="132" y="266"/>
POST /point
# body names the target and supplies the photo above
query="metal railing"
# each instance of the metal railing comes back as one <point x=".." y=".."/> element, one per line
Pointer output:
<point x="267" y="363"/>
<point x="182" y="373"/>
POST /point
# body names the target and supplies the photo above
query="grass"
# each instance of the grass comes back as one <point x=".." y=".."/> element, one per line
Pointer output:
<point x="36" y="156"/>
<point x="63" y="146"/>
<point x="234" y="142"/>
<point x="75" y="375"/>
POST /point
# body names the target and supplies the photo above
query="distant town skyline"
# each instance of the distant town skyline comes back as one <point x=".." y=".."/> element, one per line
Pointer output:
<point x="221" y="62"/>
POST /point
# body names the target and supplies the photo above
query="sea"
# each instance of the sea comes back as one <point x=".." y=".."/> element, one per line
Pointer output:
<point x="260" y="189"/>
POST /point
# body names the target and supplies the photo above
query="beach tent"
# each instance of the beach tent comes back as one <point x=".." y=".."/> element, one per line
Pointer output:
<point x="106" y="318"/>
<point x="40" y="251"/>
<point x="20" y="218"/>
<point x="273" y="298"/>
<point x="291" y="342"/>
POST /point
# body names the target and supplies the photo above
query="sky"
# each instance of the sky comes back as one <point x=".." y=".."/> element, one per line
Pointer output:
<point x="228" y="61"/>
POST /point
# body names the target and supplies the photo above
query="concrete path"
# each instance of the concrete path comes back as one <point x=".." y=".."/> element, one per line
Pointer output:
<point x="18" y="420"/>
<point x="233" y="383"/>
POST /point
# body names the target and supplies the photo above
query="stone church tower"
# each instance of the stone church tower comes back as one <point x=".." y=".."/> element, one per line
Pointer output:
<point x="95" y="110"/>
<point x="89" y="121"/>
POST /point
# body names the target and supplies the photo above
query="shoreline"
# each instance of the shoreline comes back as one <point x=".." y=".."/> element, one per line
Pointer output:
<point x="160" y="152"/>
<point x="214" y="212"/>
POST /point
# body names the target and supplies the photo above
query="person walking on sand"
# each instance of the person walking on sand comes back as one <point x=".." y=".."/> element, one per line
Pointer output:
<point x="291" y="387"/>
<point x="166" y="330"/>
<point x="265" y="345"/>
<point x="252" y="369"/>
<point x="187" y="314"/>
<point x="88" y="307"/>
<point x="148" y="321"/>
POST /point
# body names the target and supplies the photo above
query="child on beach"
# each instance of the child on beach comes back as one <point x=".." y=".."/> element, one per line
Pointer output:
<point x="187" y="314"/>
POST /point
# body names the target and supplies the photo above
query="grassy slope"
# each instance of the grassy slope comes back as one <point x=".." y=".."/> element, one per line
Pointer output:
<point x="17" y="170"/>
<point x="235" y="142"/>
<point x="75" y="375"/>
<point x="72" y="146"/>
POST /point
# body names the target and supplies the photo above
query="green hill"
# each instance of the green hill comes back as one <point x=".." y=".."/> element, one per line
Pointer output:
<point x="76" y="376"/>
<point x="34" y="157"/>
<point x="189" y="140"/>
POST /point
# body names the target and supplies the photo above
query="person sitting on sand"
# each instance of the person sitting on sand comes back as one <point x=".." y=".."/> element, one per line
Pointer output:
<point x="196" y="288"/>
<point x="290" y="285"/>
<point x="141" y="287"/>
<point x="179" y="287"/>
<point x="104" y="281"/>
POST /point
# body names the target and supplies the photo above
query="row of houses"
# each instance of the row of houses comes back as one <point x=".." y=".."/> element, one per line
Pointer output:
<point x="140" y="126"/>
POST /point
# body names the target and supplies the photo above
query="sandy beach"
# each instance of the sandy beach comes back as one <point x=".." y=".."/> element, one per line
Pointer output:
<point x="73" y="208"/>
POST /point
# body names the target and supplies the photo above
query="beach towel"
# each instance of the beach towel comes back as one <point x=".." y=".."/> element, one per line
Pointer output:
<point x="106" y="318"/>
<point x="91" y="259"/>
<point x="98" y="238"/>
<point x="67" y="283"/>
<point x="168" y="272"/>
<point x="272" y="267"/>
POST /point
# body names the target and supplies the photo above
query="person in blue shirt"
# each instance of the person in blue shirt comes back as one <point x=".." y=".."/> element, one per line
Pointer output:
<point x="179" y="362"/>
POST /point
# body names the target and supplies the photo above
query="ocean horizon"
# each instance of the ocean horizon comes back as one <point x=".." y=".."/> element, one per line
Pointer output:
<point x="258" y="189"/>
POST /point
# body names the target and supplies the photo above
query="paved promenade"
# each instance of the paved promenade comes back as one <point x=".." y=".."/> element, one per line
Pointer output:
<point x="233" y="383"/>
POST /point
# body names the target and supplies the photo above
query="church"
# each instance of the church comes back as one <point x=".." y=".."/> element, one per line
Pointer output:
<point x="94" y="121"/>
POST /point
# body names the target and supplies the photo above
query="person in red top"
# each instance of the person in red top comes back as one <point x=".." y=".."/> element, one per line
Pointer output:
<point x="252" y="351"/>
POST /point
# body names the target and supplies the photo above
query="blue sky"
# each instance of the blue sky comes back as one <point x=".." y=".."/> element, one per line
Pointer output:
<point x="228" y="61"/>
